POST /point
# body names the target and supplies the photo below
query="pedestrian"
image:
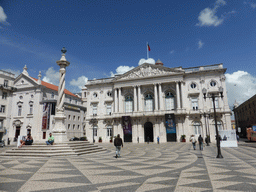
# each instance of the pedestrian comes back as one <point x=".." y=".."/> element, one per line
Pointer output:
<point x="50" y="140"/>
<point x="118" y="142"/>
<point x="193" y="140"/>
<point x="237" y="137"/>
<point x="158" y="139"/>
<point x="200" y="141"/>
<point x="148" y="140"/>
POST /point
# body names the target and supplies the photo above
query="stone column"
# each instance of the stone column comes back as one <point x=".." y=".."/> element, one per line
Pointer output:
<point x="178" y="94"/>
<point x="156" y="98"/>
<point x="135" y="98"/>
<point x="115" y="101"/>
<point x="120" y="100"/>
<point x="59" y="130"/>
<point x="161" y="107"/>
<point x="139" y="99"/>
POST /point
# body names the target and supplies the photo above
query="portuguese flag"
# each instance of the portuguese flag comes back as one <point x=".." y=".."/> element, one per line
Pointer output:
<point x="148" y="48"/>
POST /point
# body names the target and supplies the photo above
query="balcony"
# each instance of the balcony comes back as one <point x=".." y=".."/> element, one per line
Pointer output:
<point x="8" y="88"/>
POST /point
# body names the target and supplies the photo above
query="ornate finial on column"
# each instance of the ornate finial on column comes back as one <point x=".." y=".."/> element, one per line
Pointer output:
<point x="63" y="50"/>
<point x="39" y="77"/>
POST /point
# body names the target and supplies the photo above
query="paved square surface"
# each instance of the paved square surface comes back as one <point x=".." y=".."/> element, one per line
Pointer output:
<point x="141" y="167"/>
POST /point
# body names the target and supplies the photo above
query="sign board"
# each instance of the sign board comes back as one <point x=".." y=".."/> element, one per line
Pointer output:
<point x="228" y="138"/>
<point x="239" y="129"/>
<point x="254" y="127"/>
<point x="170" y="123"/>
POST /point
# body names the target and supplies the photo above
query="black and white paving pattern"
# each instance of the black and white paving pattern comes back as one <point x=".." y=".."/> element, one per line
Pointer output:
<point x="141" y="167"/>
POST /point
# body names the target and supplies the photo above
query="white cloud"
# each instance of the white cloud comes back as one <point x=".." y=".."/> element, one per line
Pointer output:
<point x="252" y="4"/>
<point x="3" y="16"/>
<point x="15" y="72"/>
<point x="208" y="17"/>
<point x="172" y="51"/>
<point x="240" y="86"/>
<point x="121" y="70"/>
<point x="200" y="44"/>
<point x="79" y="83"/>
<point x="51" y="76"/>
<point x="149" y="61"/>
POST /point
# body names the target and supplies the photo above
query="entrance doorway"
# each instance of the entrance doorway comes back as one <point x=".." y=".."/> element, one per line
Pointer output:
<point x="17" y="132"/>
<point x="148" y="132"/>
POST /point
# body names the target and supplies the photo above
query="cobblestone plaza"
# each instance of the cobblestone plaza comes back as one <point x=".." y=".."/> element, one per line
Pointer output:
<point x="141" y="167"/>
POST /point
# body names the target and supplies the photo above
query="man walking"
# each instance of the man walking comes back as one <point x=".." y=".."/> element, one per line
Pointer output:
<point x="118" y="142"/>
<point x="200" y="141"/>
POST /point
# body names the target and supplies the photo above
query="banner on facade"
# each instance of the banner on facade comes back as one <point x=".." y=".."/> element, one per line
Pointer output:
<point x="170" y="123"/>
<point x="46" y="116"/>
<point x="127" y="125"/>
<point x="228" y="138"/>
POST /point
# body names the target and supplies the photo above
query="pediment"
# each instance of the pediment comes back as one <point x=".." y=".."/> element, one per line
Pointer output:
<point x="147" y="70"/>
<point x="23" y="81"/>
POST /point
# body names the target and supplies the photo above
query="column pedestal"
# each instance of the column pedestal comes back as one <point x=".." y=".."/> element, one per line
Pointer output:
<point x="59" y="132"/>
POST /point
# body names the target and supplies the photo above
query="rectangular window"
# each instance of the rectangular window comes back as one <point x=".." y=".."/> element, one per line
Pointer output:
<point x="1" y="124"/>
<point x="5" y="83"/>
<point x="149" y="105"/>
<point x="109" y="131"/>
<point x="194" y="102"/>
<point x="31" y="109"/>
<point x="95" y="131"/>
<point x="94" y="109"/>
<point x="4" y="96"/>
<point x="109" y="109"/>
<point x="169" y="103"/>
<point x="19" y="110"/>
<point x="2" y="109"/>
<point x="128" y="106"/>
<point x="216" y="101"/>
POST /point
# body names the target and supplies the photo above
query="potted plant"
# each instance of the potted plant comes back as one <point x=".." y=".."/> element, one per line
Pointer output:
<point x="100" y="139"/>
<point x="183" y="138"/>
<point x="111" y="139"/>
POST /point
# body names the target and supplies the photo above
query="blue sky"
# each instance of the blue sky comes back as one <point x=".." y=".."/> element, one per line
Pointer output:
<point x="103" y="38"/>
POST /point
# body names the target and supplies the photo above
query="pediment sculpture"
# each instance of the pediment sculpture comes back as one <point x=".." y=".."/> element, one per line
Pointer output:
<point x="146" y="72"/>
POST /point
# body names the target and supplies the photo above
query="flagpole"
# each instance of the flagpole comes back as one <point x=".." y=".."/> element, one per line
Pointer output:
<point x="147" y="50"/>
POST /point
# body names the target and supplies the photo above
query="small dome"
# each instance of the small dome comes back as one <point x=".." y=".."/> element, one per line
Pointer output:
<point x="158" y="62"/>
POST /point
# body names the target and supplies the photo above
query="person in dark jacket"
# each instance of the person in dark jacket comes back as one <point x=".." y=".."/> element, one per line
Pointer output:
<point x="118" y="142"/>
<point x="200" y="141"/>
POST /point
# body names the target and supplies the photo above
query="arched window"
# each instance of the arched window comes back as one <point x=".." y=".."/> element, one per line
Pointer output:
<point x="128" y="104"/>
<point x="169" y="101"/>
<point x="149" y="103"/>
<point x="197" y="128"/>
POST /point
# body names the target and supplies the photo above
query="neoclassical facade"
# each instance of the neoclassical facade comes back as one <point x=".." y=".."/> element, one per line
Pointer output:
<point x="153" y="101"/>
<point x="33" y="109"/>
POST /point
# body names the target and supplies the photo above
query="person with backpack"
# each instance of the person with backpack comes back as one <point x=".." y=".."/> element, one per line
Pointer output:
<point x="118" y="142"/>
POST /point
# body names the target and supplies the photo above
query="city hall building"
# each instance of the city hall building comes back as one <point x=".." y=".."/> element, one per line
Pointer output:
<point x="152" y="101"/>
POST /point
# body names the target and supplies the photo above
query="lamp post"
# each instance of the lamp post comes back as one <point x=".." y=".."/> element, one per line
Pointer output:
<point x="207" y="134"/>
<point x="213" y="96"/>
<point x="93" y="121"/>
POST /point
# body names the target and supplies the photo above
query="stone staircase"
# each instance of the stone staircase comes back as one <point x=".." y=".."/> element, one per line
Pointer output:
<point x="71" y="148"/>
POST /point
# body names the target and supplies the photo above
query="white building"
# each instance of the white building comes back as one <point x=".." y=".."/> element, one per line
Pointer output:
<point x="33" y="109"/>
<point x="6" y="90"/>
<point x="153" y="101"/>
